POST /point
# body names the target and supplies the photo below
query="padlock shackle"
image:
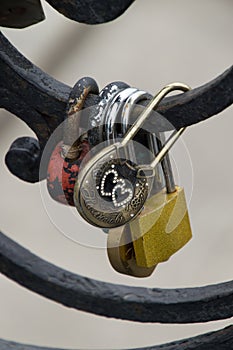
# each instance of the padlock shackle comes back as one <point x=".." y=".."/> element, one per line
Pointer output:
<point x="166" y="147"/>
<point x="152" y="105"/>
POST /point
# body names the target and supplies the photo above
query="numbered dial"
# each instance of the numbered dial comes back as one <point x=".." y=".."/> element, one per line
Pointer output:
<point x="109" y="194"/>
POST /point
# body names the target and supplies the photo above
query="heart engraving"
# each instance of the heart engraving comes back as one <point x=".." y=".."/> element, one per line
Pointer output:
<point x="119" y="190"/>
<point x="121" y="187"/>
<point x="102" y="184"/>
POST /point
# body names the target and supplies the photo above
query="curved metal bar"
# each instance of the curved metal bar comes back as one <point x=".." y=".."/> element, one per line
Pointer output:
<point x="49" y="97"/>
<point x="185" y="305"/>
<point x="38" y="93"/>
<point x="91" y="11"/>
<point x="218" y="340"/>
<point x="41" y="101"/>
<point x="25" y="149"/>
<point x="20" y="13"/>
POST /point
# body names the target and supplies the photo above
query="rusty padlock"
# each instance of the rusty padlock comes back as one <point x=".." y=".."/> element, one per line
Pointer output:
<point x="65" y="160"/>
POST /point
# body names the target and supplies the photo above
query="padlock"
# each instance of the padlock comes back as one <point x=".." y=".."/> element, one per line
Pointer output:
<point x="161" y="229"/>
<point x="111" y="189"/>
<point x="65" y="160"/>
<point x="121" y="253"/>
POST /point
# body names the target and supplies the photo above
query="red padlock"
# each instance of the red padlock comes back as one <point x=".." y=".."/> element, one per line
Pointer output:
<point x="62" y="174"/>
<point x="67" y="156"/>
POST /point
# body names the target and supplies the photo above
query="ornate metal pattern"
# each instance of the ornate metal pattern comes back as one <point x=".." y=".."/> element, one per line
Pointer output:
<point x="40" y="101"/>
<point x="95" y="191"/>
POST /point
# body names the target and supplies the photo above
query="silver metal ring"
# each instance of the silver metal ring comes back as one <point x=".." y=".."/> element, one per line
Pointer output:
<point x="137" y="96"/>
<point x="112" y="110"/>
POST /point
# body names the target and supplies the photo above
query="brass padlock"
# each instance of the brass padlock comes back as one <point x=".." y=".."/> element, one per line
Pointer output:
<point x="121" y="253"/>
<point x="163" y="227"/>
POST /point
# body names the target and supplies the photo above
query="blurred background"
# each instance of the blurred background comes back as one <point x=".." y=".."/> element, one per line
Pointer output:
<point x="152" y="44"/>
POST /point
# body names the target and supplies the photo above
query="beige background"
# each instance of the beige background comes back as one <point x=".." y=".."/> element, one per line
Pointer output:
<point x="153" y="43"/>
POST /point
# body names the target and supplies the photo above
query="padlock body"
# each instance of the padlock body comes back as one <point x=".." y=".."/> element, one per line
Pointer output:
<point x="108" y="193"/>
<point x="161" y="229"/>
<point x="121" y="253"/>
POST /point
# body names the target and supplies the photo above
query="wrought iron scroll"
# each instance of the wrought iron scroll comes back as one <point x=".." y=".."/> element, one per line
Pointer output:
<point x="221" y="340"/>
<point x="185" y="305"/>
<point x="91" y="11"/>
<point x="23" y="13"/>
<point x="40" y="101"/>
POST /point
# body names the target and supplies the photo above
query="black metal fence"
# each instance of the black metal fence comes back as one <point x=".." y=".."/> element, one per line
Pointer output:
<point x="40" y="101"/>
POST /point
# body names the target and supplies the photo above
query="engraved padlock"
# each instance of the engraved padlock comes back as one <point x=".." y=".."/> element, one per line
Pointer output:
<point x="111" y="190"/>
<point x="163" y="227"/>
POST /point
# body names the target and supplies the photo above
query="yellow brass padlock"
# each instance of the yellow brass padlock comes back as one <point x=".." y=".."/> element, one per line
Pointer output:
<point x="162" y="228"/>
